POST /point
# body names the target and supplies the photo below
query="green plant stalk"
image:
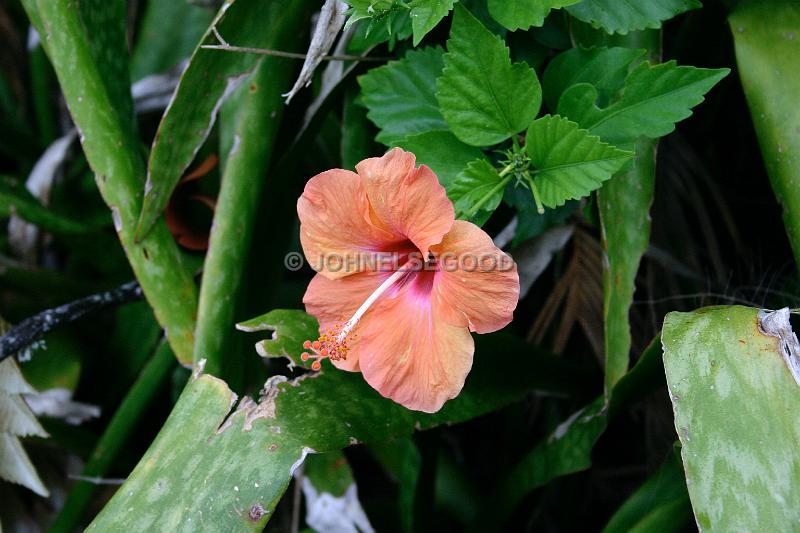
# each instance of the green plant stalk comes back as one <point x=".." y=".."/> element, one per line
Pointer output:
<point x="119" y="430"/>
<point x="240" y="196"/>
<point x="766" y="36"/>
<point x="114" y="154"/>
<point x="624" y="205"/>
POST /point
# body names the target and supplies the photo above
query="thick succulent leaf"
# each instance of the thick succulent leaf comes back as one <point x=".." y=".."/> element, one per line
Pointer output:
<point x="477" y="191"/>
<point x="443" y="152"/>
<point x="210" y="76"/>
<point x="227" y="471"/>
<point x="569" y="447"/>
<point x="483" y="97"/>
<point x="401" y="97"/>
<point x="768" y="52"/>
<point x="256" y="123"/>
<point x="623" y="202"/>
<point x="624" y="207"/>
<point x="426" y="14"/>
<point x="654" y="99"/>
<point x="168" y="34"/>
<point x="569" y="162"/>
<point x="99" y="108"/>
<point x="522" y="14"/>
<point x="105" y="21"/>
<point x="660" y="504"/>
<point x="736" y="401"/>
<point x="622" y="17"/>
<point x="605" y="68"/>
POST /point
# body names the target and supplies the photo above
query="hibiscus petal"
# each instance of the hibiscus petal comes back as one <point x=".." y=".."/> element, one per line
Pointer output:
<point x="335" y="229"/>
<point x="407" y="200"/>
<point x="408" y="353"/>
<point x="477" y="284"/>
<point x="333" y="302"/>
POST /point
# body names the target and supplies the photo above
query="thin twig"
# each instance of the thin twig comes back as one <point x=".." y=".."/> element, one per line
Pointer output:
<point x="290" y="55"/>
<point x="226" y="47"/>
<point x="32" y="328"/>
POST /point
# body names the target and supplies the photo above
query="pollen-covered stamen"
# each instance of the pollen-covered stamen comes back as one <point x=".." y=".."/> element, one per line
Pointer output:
<point x="327" y="346"/>
<point x="335" y="344"/>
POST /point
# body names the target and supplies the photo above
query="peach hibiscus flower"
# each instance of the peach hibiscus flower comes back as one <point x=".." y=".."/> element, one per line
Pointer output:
<point x="400" y="283"/>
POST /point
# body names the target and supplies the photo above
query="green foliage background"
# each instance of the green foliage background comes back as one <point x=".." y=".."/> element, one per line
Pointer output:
<point x="635" y="158"/>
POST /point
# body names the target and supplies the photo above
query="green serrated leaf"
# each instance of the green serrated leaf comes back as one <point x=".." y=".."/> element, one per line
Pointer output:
<point x="605" y="68"/>
<point x="477" y="191"/>
<point x="614" y="16"/>
<point x="655" y="97"/>
<point x="522" y="14"/>
<point x="443" y="152"/>
<point x="401" y="97"/>
<point x="570" y="162"/>
<point x="735" y="402"/>
<point x="426" y="14"/>
<point x="483" y="97"/>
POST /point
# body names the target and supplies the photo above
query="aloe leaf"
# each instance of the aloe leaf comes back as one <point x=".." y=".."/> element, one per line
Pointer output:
<point x="210" y="76"/>
<point x="765" y="35"/>
<point x="624" y="201"/>
<point x="735" y="402"/>
<point x="119" y="430"/>
<point x="244" y="178"/>
<point x="102" y="111"/>
<point x="569" y="447"/>
<point x="235" y="467"/>
<point x="168" y="33"/>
